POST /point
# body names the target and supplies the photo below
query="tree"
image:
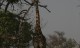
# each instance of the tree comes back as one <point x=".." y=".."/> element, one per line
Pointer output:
<point x="59" y="41"/>
<point x="9" y="26"/>
<point x="25" y="12"/>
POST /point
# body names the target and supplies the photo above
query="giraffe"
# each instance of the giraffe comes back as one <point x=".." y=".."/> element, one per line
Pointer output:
<point x="39" y="41"/>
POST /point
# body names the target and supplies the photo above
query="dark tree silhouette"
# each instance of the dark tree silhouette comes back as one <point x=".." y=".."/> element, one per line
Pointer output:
<point x="59" y="41"/>
<point x="9" y="26"/>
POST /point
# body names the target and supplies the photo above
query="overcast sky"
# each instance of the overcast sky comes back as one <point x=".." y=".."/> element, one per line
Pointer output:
<point x="64" y="16"/>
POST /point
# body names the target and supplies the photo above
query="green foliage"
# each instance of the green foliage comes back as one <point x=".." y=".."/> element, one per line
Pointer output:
<point x="9" y="26"/>
<point x="8" y="23"/>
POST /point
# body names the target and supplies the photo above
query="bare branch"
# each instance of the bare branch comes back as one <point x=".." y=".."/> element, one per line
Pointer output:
<point x="44" y="6"/>
<point x="22" y="12"/>
<point x="1" y="3"/>
<point x="28" y="2"/>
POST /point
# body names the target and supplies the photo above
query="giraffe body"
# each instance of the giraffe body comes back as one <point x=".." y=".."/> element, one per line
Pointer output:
<point x="39" y="41"/>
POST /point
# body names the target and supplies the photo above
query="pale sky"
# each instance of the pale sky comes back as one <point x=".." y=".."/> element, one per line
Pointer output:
<point x="64" y="16"/>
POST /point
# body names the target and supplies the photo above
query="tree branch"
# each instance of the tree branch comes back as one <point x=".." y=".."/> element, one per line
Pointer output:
<point x="1" y="3"/>
<point x="44" y="6"/>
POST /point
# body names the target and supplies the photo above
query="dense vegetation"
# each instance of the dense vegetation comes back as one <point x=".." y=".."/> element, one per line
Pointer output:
<point x="9" y="27"/>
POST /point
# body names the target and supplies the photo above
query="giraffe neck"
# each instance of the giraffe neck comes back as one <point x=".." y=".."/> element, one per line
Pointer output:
<point x="39" y="41"/>
<point x="37" y="28"/>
